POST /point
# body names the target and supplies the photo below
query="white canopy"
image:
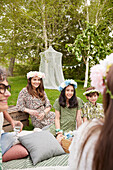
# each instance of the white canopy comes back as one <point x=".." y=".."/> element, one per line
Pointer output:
<point x="51" y="65"/>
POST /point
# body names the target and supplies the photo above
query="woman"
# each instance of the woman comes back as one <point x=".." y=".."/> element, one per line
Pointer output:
<point x="33" y="100"/>
<point x="92" y="146"/>
<point x="67" y="110"/>
<point x="4" y="94"/>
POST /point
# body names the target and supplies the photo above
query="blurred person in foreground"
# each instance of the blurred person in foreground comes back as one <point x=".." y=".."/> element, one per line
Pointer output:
<point x="92" y="146"/>
<point x="4" y="94"/>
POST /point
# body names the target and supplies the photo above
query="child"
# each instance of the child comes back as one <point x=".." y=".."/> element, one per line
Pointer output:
<point x="67" y="109"/>
<point x="92" y="109"/>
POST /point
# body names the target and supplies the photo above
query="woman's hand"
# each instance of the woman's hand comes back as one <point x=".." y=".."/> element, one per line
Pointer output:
<point x="40" y="116"/>
<point x="33" y="112"/>
<point x="14" y="123"/>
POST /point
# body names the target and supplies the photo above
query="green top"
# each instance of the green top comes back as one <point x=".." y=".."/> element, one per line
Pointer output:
<point x="92" y="111"/>
<point x="67" y="116"/>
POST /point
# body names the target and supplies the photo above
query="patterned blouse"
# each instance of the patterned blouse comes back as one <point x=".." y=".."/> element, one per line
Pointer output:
<point x="91" y="111"/>
<point x="25" y="100"/>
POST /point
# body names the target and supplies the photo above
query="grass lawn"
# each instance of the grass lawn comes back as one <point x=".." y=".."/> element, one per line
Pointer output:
<point x="17" y="83"/>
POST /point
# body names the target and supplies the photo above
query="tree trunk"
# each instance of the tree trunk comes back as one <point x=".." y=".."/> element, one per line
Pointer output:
<point x="87" y="61"/>
<point x="11" y="66"/>
<point x="44" y="25"/>
<point x="86" y="72"/>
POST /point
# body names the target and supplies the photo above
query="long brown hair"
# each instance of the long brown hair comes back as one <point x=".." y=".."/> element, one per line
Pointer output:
<point x="73" y="102"/>
<point x="103" y="156"/>
<point x="39" y="92"/>
<point x="103" y="153"/>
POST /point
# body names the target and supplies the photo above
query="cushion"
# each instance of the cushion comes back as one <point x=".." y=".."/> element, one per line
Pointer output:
<point x="15" y="152"/>
<point x="41" y="145"/>
<point x="7" y="140"/>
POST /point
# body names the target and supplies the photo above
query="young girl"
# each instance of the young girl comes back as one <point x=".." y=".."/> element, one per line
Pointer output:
<point x="92" y="146"/>
<point x="67" y="109"/>
<point x="33" y="100"/>
<point x="92" y="109"/>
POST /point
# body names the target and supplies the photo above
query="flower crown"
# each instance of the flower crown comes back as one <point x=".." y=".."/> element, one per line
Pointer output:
<point x="99" y="72"/>
<point x="90" y="91"/>
<point x="67" y="83"/>
<point x="34" y="74"/>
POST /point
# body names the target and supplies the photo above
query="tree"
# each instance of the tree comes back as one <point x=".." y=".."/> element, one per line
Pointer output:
<point x="88" y="44"/>
<point x="10" y="32"/>
<point x="31" y="26"/>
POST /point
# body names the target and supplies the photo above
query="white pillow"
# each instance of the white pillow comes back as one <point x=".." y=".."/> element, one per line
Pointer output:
<point x="41" y="146"/>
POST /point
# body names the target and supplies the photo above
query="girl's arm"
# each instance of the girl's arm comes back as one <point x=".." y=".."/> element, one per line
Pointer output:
<point x="59" y="132"/>
<point x="57" y="123"/>
<point x="11" y="121"/>
<point x="57" y="119"/>
<point x="8" y="117"/>
<point x="47" y="102"/>
<point x="78" y="118"/>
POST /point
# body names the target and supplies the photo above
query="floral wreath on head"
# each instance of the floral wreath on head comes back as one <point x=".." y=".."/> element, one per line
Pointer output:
<point x="35" y="74"/>
<point x="67" y="83"/>
<point x="99" y="72"/>
<point x="90" y="91"/>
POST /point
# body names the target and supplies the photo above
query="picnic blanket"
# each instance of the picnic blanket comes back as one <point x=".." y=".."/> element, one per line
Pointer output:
<point x="26" y="163"/>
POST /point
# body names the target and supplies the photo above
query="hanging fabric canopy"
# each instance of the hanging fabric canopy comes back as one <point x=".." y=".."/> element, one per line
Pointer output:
<point x="51" y="65"/>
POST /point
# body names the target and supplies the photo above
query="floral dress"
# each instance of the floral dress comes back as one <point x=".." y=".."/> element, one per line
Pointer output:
<point x="25" y="100"/>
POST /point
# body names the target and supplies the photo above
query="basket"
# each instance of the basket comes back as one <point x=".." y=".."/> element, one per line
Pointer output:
<point x="65" y="144"/>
